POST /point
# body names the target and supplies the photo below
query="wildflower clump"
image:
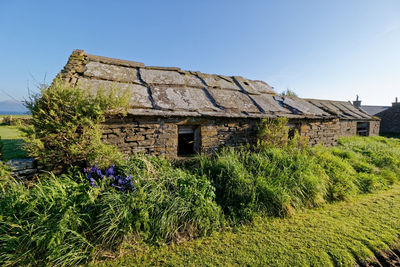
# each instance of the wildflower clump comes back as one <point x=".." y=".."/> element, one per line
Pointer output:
<point x="96" y="177"/>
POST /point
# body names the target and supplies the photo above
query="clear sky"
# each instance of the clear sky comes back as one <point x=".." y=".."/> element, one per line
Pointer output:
<point x="320" y="49"/>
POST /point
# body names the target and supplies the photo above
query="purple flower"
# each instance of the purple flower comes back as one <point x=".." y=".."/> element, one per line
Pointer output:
<point x="110" y="171"/>
<point x="117" y="181"/>
<point x="98" y="172"/>
<point x="92" y="182"/>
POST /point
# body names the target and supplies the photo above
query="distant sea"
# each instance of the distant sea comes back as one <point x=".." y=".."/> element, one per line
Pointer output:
<point x="12" y="108"/>
<point x="4" y="112"/>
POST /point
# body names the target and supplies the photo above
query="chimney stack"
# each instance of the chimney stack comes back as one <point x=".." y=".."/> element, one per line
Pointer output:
<point x="357" y="103"/>
<point x="396" y="103"/>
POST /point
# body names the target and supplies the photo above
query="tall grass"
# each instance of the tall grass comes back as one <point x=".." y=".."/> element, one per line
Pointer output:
<point x="65" y="221"/>
<point x="277" y="181"/>
<point x="44" y="223"/>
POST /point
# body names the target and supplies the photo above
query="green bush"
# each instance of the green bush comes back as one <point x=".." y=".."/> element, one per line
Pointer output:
<point x="274" y="132"/>
<point x="65" y="125"/>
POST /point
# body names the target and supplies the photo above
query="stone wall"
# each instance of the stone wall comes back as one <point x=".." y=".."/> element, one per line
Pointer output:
<point x="347" y="128"/>
<point x="374" y="127"/>
<point x="390" y="120"/>
<point x="323" y="132"/>
<point x="228" y="133"/>
<point x="23" y="168"/>
<point x="159" y="136"/>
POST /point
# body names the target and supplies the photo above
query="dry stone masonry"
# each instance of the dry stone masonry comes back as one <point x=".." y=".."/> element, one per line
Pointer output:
<point x="175" y="112"/>
<point x="390" y="119"/>
<point x="23" y="168"/>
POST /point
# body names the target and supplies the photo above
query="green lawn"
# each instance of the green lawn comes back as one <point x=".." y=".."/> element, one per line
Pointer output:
<point x="12" y="141"/>
<point x="339" y="234"/>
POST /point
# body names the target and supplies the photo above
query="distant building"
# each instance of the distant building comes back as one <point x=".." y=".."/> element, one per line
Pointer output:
<point x="390" y="119"/>
<point x="370" y="110"/>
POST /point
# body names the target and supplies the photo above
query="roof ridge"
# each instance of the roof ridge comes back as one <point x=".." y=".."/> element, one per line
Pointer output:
<point x="114" y="61"/>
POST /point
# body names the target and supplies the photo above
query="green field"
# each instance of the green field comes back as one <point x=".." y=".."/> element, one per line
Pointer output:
<point x="339" y="234"/>
<point x="12" y="141"/>
<point x="13" y="116"/>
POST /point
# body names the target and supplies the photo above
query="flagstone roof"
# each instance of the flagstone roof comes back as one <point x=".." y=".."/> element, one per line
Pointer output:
<point x="342" y="109"/>
<point x="170" y="91"/>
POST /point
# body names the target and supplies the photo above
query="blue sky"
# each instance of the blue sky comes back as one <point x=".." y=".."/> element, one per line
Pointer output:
<point x="319" y="49"/>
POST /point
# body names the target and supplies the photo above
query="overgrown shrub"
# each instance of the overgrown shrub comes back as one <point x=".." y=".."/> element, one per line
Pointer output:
<point x="274" y="132"/>
<point x="65" y="126"/>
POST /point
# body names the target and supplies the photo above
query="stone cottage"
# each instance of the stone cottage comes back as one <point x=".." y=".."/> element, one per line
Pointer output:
<point x="352" y="120"/>
<point x="390" y="119"/>
<point x="176" y="113"/>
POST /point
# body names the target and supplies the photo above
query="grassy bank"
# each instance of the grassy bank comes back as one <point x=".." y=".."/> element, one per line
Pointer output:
<point x="339" y="234"/>
<point x="12" y="141"/>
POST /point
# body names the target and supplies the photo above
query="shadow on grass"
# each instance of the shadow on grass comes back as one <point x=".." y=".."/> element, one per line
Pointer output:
<point x="391" y="135"/>
<point x="13" y="149"/>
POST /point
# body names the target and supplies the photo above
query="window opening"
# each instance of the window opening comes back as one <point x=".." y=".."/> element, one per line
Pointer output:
<point x="188" y="140"/>
<point x="363" y="128"/>
<point x="292" y="130"/>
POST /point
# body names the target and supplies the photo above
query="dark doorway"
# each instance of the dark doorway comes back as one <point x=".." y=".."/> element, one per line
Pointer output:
<point x="188" y="140"/>
<point x="363" y="128"/>
<point x="292" y="130"/>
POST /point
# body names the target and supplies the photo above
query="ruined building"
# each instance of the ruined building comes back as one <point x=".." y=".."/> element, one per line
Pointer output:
<point x="175" y="112"/>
